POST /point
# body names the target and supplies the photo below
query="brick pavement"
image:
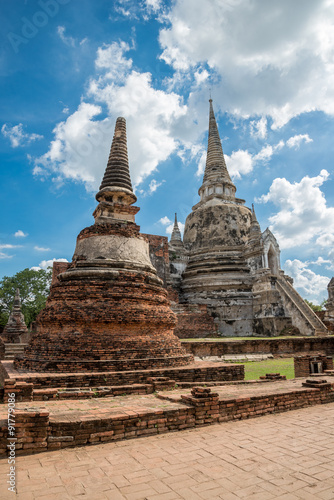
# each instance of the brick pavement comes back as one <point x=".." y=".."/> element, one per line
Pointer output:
<point x="287" y="456"/>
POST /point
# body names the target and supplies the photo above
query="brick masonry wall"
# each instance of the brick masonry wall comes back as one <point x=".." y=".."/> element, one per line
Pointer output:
<point x="302" y="364"/>
<point x="290" y="346"/>
<point x="36" y="431"/>
<point x="205" y="373"/>
<point x="158" y="248"/>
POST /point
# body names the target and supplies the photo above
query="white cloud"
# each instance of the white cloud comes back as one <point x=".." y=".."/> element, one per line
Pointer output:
<point x="47" y="263"/>
<point x="258" y="129"/>
<point x="201" y="76"/>
<point x="239" y="163"/>
<point x="80" y="147"/>
<point x="296" y="140"/>
<point x="169" y="229"/>
<point x="154" y="5"/>
<point x="81" y="144"/>
<point x="280" y="65"/>
<point x="17" y="136"/>
<point x="68" y="40"/>
<point x="154" y="185"/>
<point x="7" y="245"/>
<point x="165" y="221"/>
<point x="111" y="58"/>
<point x="303" y="212"/>
<point x="20" y="234"/>
<point x="5" y="256"/>
<point x="310" y="285"/>
<point x="326" y="240"/>
<point x="41" y="249"/>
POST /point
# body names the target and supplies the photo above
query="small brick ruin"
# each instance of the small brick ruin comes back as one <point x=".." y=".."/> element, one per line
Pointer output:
<point x="107" y="309"/>
<point x="316" y="364"/>
<point x="15" y="331"/>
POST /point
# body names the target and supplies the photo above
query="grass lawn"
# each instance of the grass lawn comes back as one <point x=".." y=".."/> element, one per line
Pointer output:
<point x="255" y="369"/>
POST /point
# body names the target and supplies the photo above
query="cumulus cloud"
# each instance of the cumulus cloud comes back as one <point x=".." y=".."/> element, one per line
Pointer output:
<point x="303" y="212"/>
<point x="310" y="285"/>
<point x="20" y="234"/>
<point x="44" y="264"/>
<point x="291" y="43"/>
<point x="239" y="163"/>
<point x="296" y="140"/>
<point x="81" y="144"/>
<point x="17" y="136"/>
<point x="165" y="221"/>
<point x="258" y="129"/>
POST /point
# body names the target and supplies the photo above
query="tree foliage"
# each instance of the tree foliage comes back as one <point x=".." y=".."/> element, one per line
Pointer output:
<point x="315" y="307"/>
<point x="34" y="289"/>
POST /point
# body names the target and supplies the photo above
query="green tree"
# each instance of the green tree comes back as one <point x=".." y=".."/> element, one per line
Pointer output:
<point x="34" y="289"/>
<point x="316" y="307"/>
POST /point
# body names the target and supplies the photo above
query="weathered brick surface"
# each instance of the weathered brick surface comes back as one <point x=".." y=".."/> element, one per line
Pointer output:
<point x="276" y="346"/>
<point x="158" y="248"/>
<point x="196" y="372"/>
<point x="38" y="430"/>
<point x="302" y="364"/>
<point x="97" y="325"/>
<point x="121" y="228"/>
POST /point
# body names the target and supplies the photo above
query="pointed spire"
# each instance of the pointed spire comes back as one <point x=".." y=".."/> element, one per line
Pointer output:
<point x="176" y="233"/>
<point x="116" y="195"/>
<point x="215" y="161"/>
<point x="15" y="326"/>
<point x="216" y="181"/>
<point x="254" y="230"/>
<point x="117" y="172"/>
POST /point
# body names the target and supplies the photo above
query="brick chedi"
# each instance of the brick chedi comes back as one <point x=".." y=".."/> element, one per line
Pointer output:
<point x="16" y="331"/>
<point x="108" y="310"/>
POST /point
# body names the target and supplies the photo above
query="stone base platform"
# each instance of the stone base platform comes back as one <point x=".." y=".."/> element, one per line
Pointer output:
<point x="27" y="384"/>
<point x="48" y="425"/>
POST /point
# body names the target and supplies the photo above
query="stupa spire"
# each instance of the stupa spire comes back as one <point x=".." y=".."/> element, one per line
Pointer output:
<point x="215" y="161"/>
<point x="116" y="194"/>
<point x="176" y="233"/>
<point x="117" y="172"/>
<point x="16" y="327"/>
<point x="216" y="181"/>
<point x="254" y="230"/>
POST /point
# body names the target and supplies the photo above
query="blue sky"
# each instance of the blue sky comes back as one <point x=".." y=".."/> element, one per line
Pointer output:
<point x="69" y="68"/>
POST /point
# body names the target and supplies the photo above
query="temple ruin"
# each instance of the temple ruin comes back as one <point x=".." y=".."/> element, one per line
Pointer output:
<point x="107" y="309"/>
<point x="230" y="269"/>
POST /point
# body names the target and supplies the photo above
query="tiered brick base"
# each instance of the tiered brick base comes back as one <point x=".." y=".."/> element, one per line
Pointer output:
<point x="108" y="320"/>
<point x="26" y="382"/>
<point x="40" y="430"/>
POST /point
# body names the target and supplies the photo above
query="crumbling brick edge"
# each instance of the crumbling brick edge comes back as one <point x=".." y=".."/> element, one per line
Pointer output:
<point x="36" y="431"/>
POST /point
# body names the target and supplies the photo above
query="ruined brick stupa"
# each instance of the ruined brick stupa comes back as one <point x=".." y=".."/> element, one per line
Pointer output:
<point x="16" y="331"/>
<point x="108" y="309"/>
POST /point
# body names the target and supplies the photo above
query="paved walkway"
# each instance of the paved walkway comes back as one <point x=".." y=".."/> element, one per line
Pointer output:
<point x="289" y="456"/>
